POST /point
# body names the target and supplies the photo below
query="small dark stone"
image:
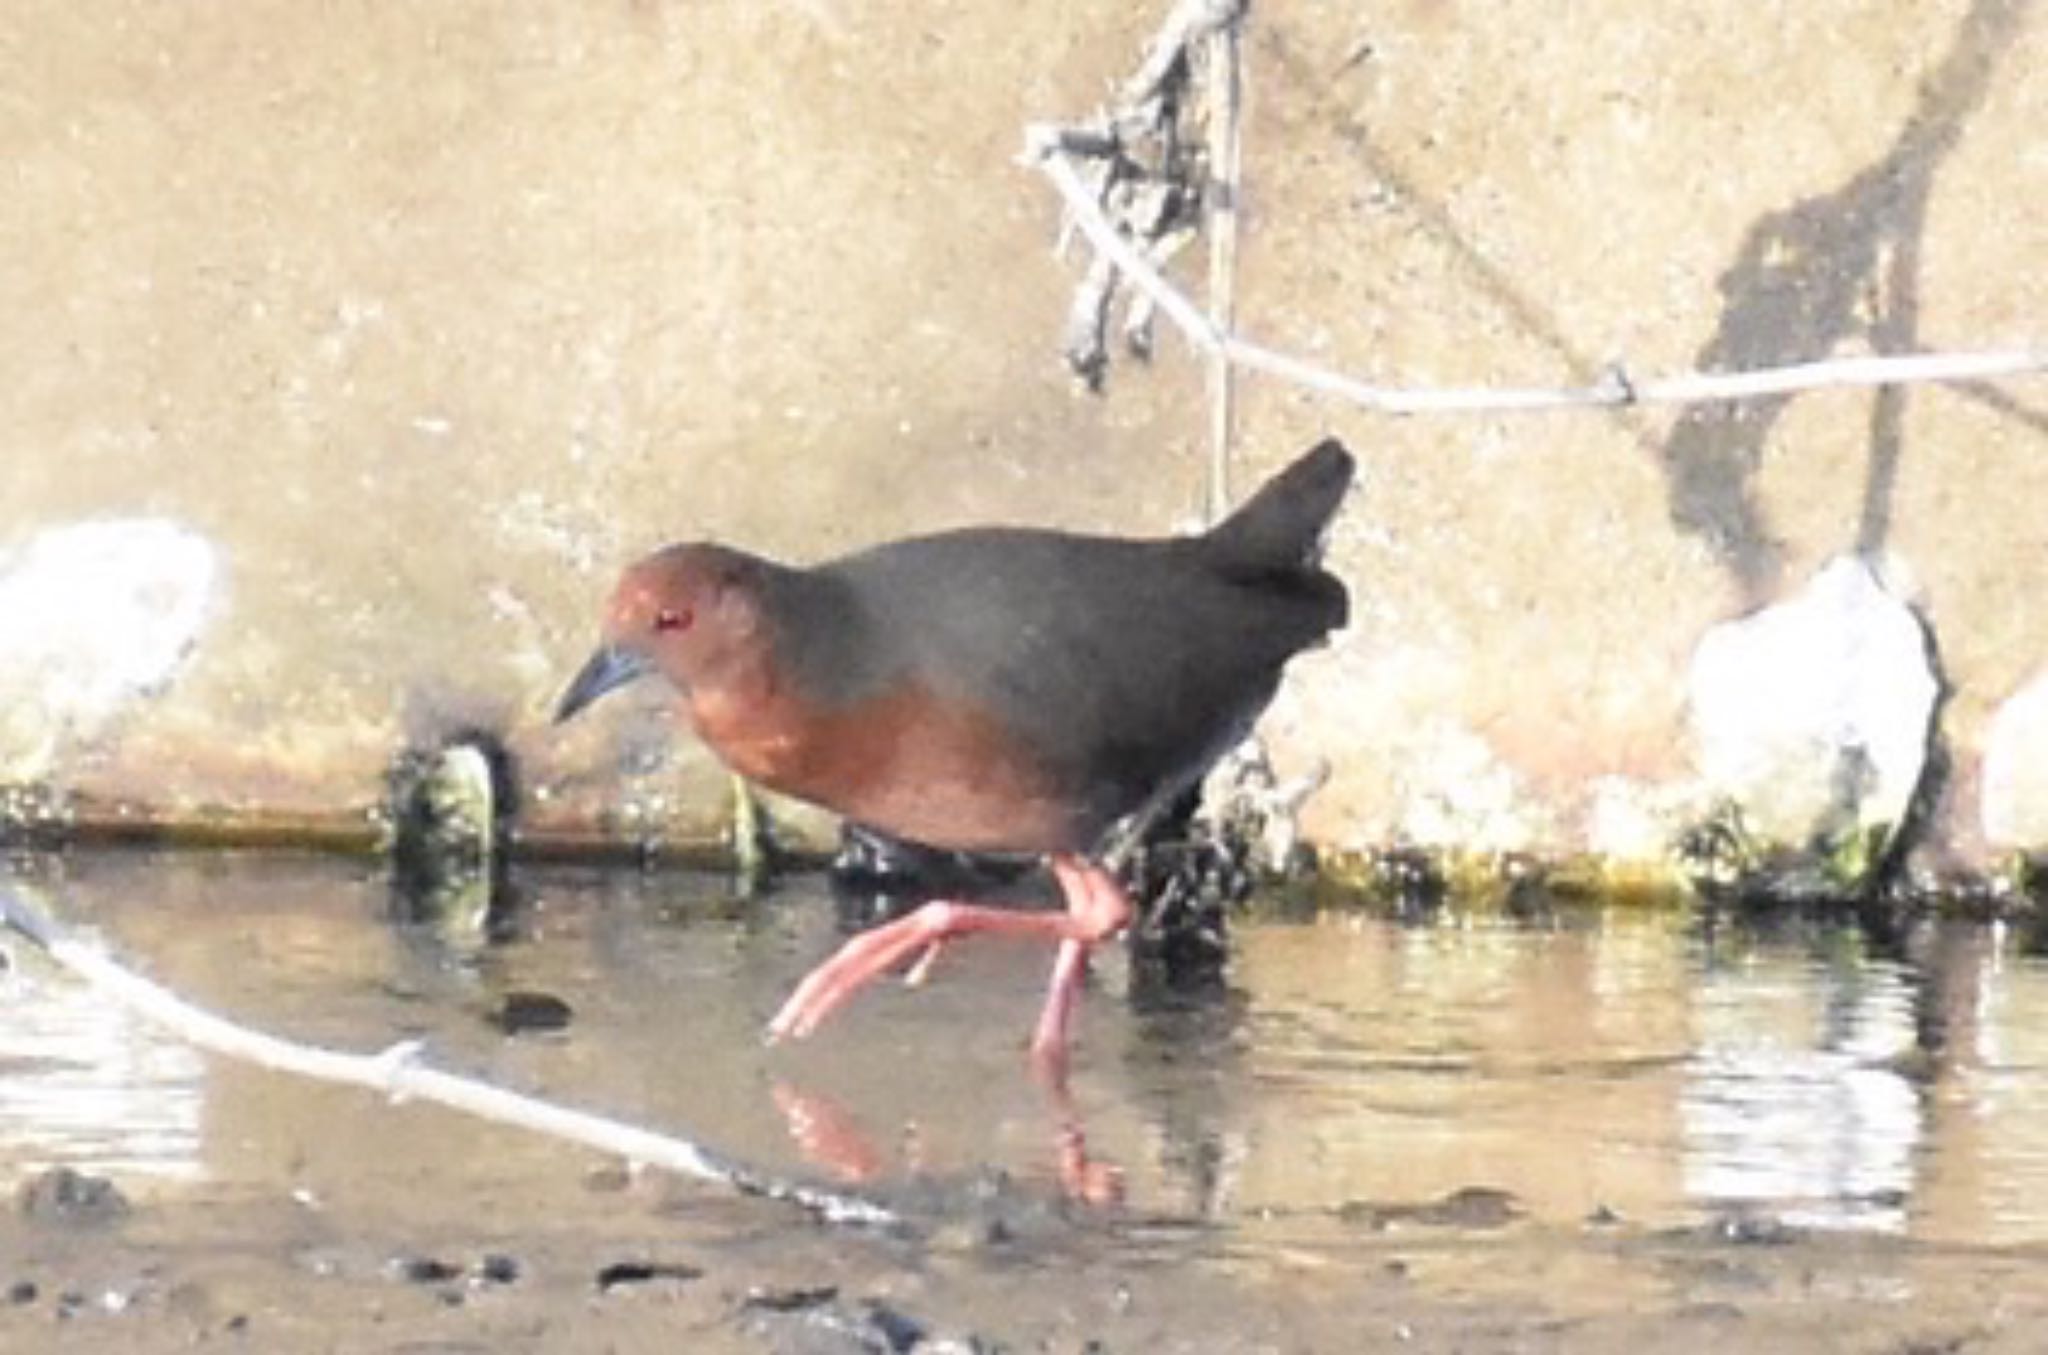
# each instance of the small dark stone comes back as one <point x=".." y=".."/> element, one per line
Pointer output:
<point x="813" y="1319"/>
<point x="70" y="1303"/>
<point x="1603" y="1216"/>
<point x="620" y="1273"/>
<point x="22" y="1291"/>
<point x="61" y="1195"/>
<point x="789" y="1300"/>
<point x="497" y="1268"/>
<point x="238" y="1323"/>
<point x="900" y="1330"/>
<point x="523" y="1013"/>
<point x="423" y="1269"/>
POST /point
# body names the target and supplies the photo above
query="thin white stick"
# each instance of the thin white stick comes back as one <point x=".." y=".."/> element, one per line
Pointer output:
<point x="1044" y="149"/>
<point x="1226" y="163"/>
<point x="399" y="1074"/>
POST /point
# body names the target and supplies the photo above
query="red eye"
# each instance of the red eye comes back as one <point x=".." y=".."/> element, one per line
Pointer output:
<point x="672" y="618"/>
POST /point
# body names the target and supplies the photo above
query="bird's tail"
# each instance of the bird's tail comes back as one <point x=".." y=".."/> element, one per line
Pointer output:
<point x="1281" y="526"/>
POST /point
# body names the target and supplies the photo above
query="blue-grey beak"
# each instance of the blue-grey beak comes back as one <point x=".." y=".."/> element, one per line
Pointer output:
<point x="610" y="667"/>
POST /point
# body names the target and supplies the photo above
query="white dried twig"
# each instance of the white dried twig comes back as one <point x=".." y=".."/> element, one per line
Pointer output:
<point x="399" y="1073"/>
<point x="1225" y="69"/>
<point x="1046" y="149"/>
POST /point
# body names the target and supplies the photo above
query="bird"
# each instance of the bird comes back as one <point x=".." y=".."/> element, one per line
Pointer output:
<point x="1001" y="689"/>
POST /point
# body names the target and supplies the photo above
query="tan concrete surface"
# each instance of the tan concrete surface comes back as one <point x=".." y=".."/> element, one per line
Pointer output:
<point x="428" y="317"/>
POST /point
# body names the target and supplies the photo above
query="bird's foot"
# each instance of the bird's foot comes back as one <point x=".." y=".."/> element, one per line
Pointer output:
<point x="1097" y="908"/>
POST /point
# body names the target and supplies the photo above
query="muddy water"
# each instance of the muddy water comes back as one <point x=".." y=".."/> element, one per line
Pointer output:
<point x="1462" y="1125"/>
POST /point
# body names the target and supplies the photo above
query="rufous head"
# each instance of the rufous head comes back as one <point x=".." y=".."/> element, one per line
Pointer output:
<point x="688" y="612"/>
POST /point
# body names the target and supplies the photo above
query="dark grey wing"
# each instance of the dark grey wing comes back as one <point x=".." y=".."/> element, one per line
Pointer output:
<point x="1125" y="667"/>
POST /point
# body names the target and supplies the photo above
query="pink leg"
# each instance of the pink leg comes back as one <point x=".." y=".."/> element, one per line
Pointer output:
<point x="1096" y="909"/>
<point x="1049" y="1040"/>
<point x="1096" y="898"/>
<point x="1081" y="1176"/>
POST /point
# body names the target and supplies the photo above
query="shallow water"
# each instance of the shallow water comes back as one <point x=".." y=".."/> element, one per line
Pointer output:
<point x="1594" y="1059"/>
<point x="1604" y="1068"/>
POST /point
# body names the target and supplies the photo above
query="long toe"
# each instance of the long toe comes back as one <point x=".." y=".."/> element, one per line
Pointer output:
<point x="855" y="965"/>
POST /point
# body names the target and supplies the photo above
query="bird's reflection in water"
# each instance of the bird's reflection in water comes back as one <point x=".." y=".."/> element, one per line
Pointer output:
<point x="831" y="1138"/>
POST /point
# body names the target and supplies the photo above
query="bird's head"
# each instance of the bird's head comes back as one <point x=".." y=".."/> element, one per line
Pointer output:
<point x="689" y="613"/>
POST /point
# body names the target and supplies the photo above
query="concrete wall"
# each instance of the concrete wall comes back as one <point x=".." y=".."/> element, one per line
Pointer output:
<point x="406" y="325"/>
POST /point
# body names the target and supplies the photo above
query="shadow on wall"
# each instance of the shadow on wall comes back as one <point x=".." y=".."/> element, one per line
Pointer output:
<point x="1809" y="276"/>
<point x="1805" y="278"/>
